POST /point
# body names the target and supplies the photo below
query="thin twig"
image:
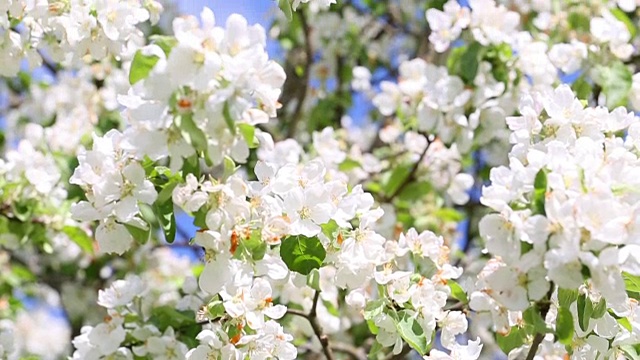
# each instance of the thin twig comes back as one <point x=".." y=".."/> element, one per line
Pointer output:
<point x="544" y="304"/>
<point x="312" y="316"/>
<point x="537" y="340"/>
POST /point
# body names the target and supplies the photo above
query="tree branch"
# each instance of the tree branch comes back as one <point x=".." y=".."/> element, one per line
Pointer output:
<point x="537" y="340"/>
<point x="312" y="316"/>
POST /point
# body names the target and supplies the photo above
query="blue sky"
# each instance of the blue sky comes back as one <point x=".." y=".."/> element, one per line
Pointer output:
<point x="256" y="11"/>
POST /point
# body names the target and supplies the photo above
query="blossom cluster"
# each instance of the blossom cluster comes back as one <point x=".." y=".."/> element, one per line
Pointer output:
<point x="207" y="80"/>
<point x="70" y="32"/>
<point x="566" y="204"/>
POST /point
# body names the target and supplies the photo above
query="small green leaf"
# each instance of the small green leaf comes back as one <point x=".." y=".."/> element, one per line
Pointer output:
<point x="630" y="352"/>
<point x="615" y="80"/>
<point x="140" y="235"/>
<point x="449" y="214"/>
<point x="216" y="309"/>
<point x="375" y="351"/>
<point x="599" y="309"/>
<point x="579" y="22"/>
<point x="625" y="323"/>
<point x="313" y="280"/>
<point x="191" y="132"/>
<point x="470" y="61"/>
<point x="166" y="43"/>
<point x="415" y="191"/>
<point x="410" y="330"/>
<point x="329" y="229"/>
<point x="566" y="297"/>
<point x="631" y="282"/>
<point x="564" y="326"/>
<point x="374" y="308"/>
<point x="79" y="237"/>
<point x="510" y="341"/>
<point x="302" y="254"/>
<point x="253" y="246"/>
<point x="533" y="318"/>
<point x="167" y="219"/>
<point x="398" y="176"/>
<point x="229" y="167"/>
<point x="141" y="66"/>
<point x="285" y="6"/>
<point x="585" y="310"/>
<point x="226" y="113"/>
<point x="457" y="292"/>
<point x="164" y="316"/>
<point x="248" y="133"/>
<point x="620" y="15"/>
<point x="540" y="192"/>
<point x="348" y="164"/>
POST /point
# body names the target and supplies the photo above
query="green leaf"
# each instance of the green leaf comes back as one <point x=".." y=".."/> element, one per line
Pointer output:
<point x="164" y="316"/>
<point x="410" y="330"/>
<point x="348" y="164"/>
<point x="191" y="132"/>
<point x="329" y="229"/>
<point x="564" y="326"/>
<point x="625" y="323"/>
<point x="540" y="192"/>
<point x="566" y="297"/>
<point x="331" y="308"/>
<point x="513" y="340"/>
<point x="398" y="176"/>
<point x="579" y="22"/>
<point x="302" y="254"/>
<point x="533" y="318"/>
<point x="285" y="6"/>
<point x="620" y="15"/>
<point x="375" y="351"/>
<point x="141" y="66"/>
<point x="200" y="218"/>
<point x="469" y="62"/>
<point x="167" y="219"/>
<point x="226" y="113"/>
<point x="582" y="88"/>
<point x="248" y="133"/>
<point x="631" y="282"/>
<point x="79" y="237"/>
<point x="140" y="235"/>
<point x="415" y="191"/>
<point x="216" y="309"/>
<point x="449" y="214"/>
<point x="166" y="43"/>
<point x="630" y="352"/>
<point x="615" y="81"/>
<point x="313" y="280"/>
<point x="229" y="167"/>
<point x="374" y="308"/>
<point x="457" y="292"/>
<point x="585" y="310"/>
<point x="599" y="309"/>
<point x="253" y="246"/>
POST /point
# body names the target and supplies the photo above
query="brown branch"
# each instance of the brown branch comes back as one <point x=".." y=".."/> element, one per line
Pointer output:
<point x="353" y="352"/>
<point x="537" y="340"/>
<point x="544" y="304"/>
<point x="312" y="316"/>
